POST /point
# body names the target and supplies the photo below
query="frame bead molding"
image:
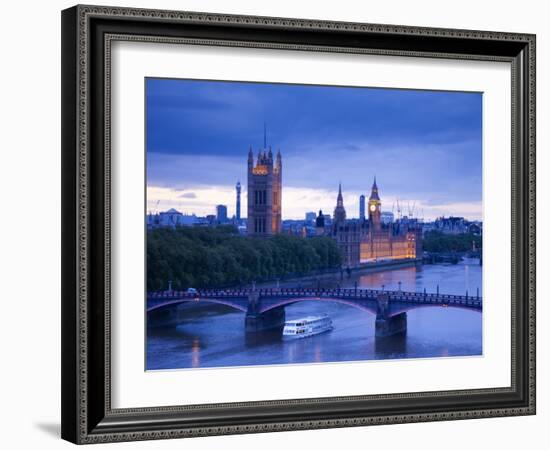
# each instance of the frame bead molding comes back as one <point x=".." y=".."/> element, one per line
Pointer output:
<point x="79" y="424"/>
<point x="86" y="11"/>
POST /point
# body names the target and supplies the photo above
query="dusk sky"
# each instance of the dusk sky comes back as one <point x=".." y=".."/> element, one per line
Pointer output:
<point x="425" y="147"/>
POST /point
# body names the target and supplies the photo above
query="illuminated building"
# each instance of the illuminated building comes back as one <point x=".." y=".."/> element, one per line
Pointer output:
<point x="363" y="241"/>
<point x="375" y="209"/>
<point x="264" y="193"/>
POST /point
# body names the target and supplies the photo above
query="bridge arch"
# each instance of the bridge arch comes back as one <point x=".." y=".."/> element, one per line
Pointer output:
<point x="369" y="306"/>
<point x="407" y="307"/>
<point x="176" y="302"/>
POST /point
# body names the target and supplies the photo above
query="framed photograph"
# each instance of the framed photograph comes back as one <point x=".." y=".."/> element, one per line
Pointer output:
<point x="278" y="224"/>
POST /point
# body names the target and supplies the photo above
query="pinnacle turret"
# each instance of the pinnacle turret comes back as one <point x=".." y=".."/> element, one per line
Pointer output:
<point x="374" y="191"/>
<point x="339" y="211"/>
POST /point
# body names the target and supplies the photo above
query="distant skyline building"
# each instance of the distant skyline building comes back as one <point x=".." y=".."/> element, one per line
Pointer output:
<point x="386" y="217"/>
<point x="362" y="207"/>
<point x="171" y="219"/>
<point x="238" y="206"/>
<point x="221" y="213"/>
<point x="451" y="225"/>
<point x="310" y="217"/>
<point x="320" y="224"/>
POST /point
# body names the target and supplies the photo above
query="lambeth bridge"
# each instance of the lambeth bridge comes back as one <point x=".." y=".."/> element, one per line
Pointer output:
<point x="265" y="308"/>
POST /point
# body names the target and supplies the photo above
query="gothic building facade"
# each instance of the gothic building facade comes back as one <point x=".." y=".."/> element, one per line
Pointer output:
<point x="367" y="240"/>
<point x="264" y="193"/>
<point x="347" y="233"/>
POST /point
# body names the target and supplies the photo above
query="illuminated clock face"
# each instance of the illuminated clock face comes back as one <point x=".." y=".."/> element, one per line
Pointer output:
<point x="373" y="208"/>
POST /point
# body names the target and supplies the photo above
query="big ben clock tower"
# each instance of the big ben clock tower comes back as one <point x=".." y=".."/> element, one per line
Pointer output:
<point x="375" y="207"/>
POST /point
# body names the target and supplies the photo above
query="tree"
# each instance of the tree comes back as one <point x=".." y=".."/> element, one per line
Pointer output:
<point x="438" y="242"/>
<point x="218" y="256"/>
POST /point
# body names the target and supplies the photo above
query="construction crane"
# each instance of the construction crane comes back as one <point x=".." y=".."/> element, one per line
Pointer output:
<point x="398" y="210"/>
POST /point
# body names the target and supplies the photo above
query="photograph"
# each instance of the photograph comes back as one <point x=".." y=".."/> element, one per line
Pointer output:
<point x="307" y="224"/>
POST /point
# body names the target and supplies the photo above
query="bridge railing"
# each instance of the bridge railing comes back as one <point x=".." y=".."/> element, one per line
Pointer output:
<point x="368" y="294"/>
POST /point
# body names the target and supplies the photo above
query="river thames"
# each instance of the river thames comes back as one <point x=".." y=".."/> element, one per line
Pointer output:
<point x="213" y="336"/>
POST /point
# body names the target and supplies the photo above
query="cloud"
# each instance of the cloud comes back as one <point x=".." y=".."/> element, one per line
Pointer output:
<point x="222" y="117"/>
<point x="206" y="198"/>
<point x="188" y="172"/>
<point x="297" y="201"/>
<point x="184" y="103"/>
<point x="424" y="147"/>
<point x="188" y="195"/>
<point x="437" y="174"/>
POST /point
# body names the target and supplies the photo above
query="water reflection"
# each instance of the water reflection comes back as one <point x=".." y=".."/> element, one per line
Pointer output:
<point x="195" y="352"/>
<point x="318" y="353"/>
<point x="391" y="346"/>
<point x="451" y="279"/>
<point x="404" y="279"/>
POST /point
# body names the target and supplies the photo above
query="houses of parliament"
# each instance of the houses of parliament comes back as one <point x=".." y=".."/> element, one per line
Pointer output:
<point x="361" y="240"/>
<point x="367" y="240"/>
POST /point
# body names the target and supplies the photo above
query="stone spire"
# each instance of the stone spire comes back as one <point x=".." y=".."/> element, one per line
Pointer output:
<point x="374" y="191"/>
<point x="320" y="220"/>
<point x="339" y="211"/>
<point x="250" y="159"/>
<point x="375" y="208"/>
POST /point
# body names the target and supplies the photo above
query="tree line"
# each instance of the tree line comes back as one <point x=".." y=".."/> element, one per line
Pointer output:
<point x="438" y="242"/>
<point x="218" y="256"/>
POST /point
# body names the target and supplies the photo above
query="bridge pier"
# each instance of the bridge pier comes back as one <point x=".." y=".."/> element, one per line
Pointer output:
<point x="390" y="326"/>
<point x="385" y="324"/>
<point x="259" y="322"/>
<point x="273" y="320"/>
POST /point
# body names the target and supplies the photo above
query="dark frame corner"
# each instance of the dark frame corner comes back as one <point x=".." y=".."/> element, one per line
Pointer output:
<point x="87" y="416"/>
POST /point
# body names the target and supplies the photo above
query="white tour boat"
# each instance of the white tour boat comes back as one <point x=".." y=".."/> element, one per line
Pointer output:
<point x="307" y="326"/>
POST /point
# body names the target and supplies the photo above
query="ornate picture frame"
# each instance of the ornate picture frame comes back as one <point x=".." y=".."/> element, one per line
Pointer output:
<point x="88" y="33"/>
